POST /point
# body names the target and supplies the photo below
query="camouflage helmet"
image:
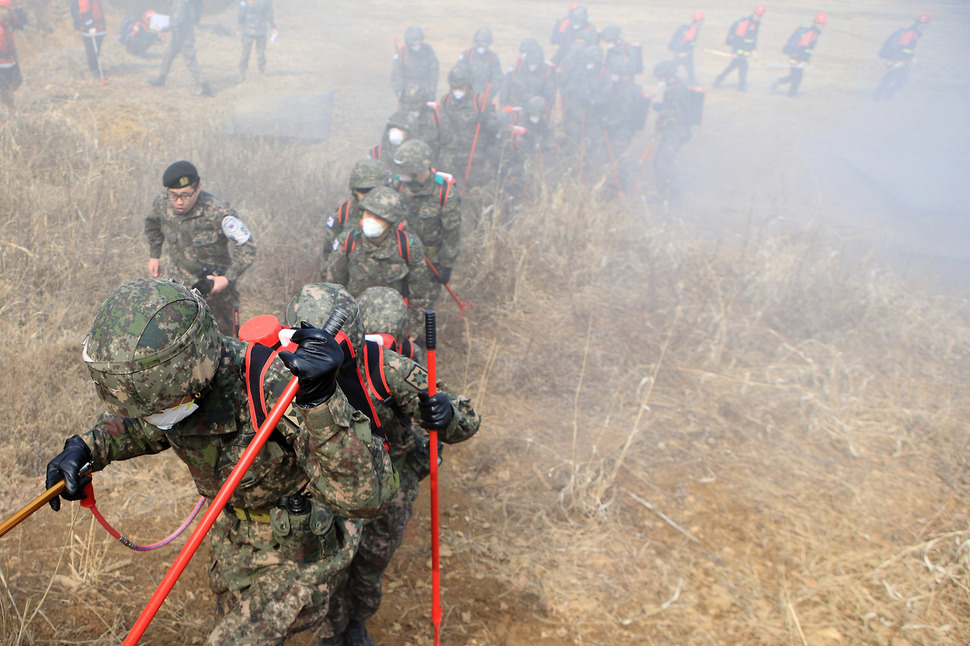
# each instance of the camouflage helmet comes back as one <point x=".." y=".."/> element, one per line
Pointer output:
<point x="620" y="65"/>
<point x="413" y="35"/>
<point x="152" y="342"/>
<point x="412" y="157"/>
<point x="536" y="106"/>
<point x="414" y="97"/>
<point x="369" y="173"/>
<point x="385" y="203"/>
<point x="610" y="33"/>
<point x="382" y="311"/>
<point x="579" y="15"/>
<point x="483" y="37"/>
<point x="401" y="119"/>
<point x="665" y="70"/>
<point x="461" y="75"/>
<point x="535" y="56"/>
<point x="528" y="45"/>
<point x="315" y="302"/>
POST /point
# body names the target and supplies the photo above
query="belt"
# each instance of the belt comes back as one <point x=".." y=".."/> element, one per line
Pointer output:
<point x="250" y="515"/>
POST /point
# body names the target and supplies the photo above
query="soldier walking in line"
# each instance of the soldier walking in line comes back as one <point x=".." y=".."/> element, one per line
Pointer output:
<point x="255" y="16"/>
<point x="185" y="15"/>
<point x="742" y="38"/>
<point x="415" y="62"/>
<point x="799" y="49"/>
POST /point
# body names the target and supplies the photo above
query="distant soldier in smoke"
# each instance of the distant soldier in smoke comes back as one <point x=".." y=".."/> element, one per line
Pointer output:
<point x="898" y="52"/>
<point x="742" y="38"/>
<point x="89" y="20"/>
<point x="255" y="16"/>
<point x="683" y="43"/>
<point x="583" y="102"/>
<point x="615" y="47"/>
<point x="415" y="62"/>
<point x="673" y="126"/>
<point x="468" y="129"/>
<point x="531" y="76"/>
<point x="209" y="245"/>
<point x="11" y="17"/>
<point x="397" y="130"/>
<point x="433" y="207"/>
<point x="427" y="119"/>
<point x="625" y="112"/>
<point x="380" y="253"/>
<point x="185" y="15"/>
<point x="799" y="49"/>
<point x="367" y="174"/>
<point x="484" y="63"/>
<point x="574" y="26"/>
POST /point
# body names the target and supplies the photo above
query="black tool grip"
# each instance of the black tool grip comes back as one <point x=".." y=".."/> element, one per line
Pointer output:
<point x="335" y="321"/>
<point x="430" y="333"/>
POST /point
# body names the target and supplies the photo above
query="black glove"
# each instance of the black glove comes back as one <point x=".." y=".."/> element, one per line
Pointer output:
<point x="203" y="285"/>
<point x="315" y="363"/>
<point x="444" y="274"/>
<point x="436" y="411"/>
<point x="66" y="466"/>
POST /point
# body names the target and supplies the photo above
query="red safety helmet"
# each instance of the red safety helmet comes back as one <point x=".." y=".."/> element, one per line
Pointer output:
<point x="822" y="19"/>
<point x="698" y="15"/>
<point x="923" y="18"/>
<point x="759" y="10"/>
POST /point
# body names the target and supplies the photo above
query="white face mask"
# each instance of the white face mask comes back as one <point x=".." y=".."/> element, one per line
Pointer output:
<point x="534" y="119"/>
<point x="372" y="228"/>
<point x="416" y="48"/>
<point x="481" y="50"/>
<point x="614" y="77"/>
<point x="533" y="68"/>
<point x="458" y="94"/>
<point x="171" y="416"/>
<point x="610" y="45"/>
<point x="591" y="66"/>
<point x="395" y="136"/>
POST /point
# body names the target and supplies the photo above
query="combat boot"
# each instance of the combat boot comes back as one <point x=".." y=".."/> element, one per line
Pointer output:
<point x="157" y="82"/>
<point x="336" y="640"/>
<point x="356" y="635"/>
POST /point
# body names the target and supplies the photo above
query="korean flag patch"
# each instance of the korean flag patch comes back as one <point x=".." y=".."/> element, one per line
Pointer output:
<point x="235" y="230"/>
<point x="330" y="222"/>
<point x="336" y="244"/>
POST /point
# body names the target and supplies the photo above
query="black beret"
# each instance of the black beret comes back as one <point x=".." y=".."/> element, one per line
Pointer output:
<point x="179" y="175"/>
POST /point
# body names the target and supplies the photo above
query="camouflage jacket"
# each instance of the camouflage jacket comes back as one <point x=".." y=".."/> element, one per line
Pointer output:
<point x="521" y="84"/>
<point x="185" y="15"/>
<point x="330" y="452"/>
<point x="486" y="70"/>
<point x="255" y="16"/>
<point x="622" y="99"/>
<point x="439" y="227"/>
<point x="459" y="123"/>
<point x="346" y="217"/>
<point x="398" y="405"/>
<point x="210" y="234"/>
<point x="419" y="68"/>
<point x="427" y="128"/>
<point x="672" y="112"/>
<point x="360" y="262"/>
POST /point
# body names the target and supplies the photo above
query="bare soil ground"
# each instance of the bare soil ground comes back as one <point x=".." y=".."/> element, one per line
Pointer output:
<point x="725" y="422"/>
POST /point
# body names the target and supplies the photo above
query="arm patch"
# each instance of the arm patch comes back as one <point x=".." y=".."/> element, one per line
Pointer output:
<point x="235" y="230"/>
<point x="418" y="377"/>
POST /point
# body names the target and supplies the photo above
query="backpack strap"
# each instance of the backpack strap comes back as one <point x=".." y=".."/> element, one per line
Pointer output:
<point x="403" y="244"/>
<point x="354" y="387"/>
<point x="374" y="364"/>
<point x="349" y="242"/>
<point x="258" y="359"/>
<point x="343" y="212"/>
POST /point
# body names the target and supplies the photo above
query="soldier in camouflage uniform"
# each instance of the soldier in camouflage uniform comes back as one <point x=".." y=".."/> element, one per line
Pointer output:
<point x="427" y="119"/>
<point x="673" y="129"/>
<point x="209" y="245"/>
<point x="384" y="315"/>
<point x="379" y="252"/>
<point x="463" y="115"/>
<point x="531" y="76"/>
<point x="185" y="14"/>
<point x="434" y="210"/>
<point x="416" y="63"/>
<point x="625" y="112"/>
<point x="170" y="380"/>
<point x="399" y="396"/>
<point x="484" y="63"/>
<point x="367" y="174"/>
<point x="397" y="130"/>
<point x="254" y="17"/>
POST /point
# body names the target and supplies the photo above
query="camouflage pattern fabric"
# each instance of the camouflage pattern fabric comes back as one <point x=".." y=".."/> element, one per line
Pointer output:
<point x="255" y="16"/>
<point x="334" y="228"/>
<point x="427" y="128"/>
<point x="382" y="311"/>
<point x="327" y="452"/>
<point x="521" y="84"/>
<point x="486" y="70"/>
<point x="459" y="122"/>
<point x="415" y="67"/>
<point x="439" y="227"/>
<point x="182" y="24"/>
<point x="378" y="262"/>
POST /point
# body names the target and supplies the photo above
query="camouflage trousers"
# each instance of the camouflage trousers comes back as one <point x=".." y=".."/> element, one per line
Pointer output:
<point x="188" y="53"/>
<point x="362" y="594"/>
<point x="266" y="597"/>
